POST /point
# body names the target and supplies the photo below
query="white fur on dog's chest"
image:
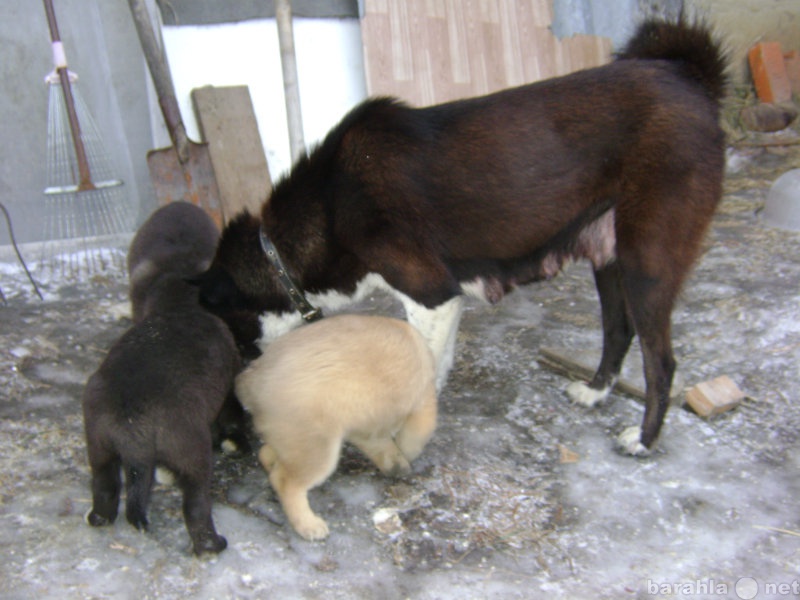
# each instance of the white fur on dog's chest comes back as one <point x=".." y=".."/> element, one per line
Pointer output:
<point x="437" y="325"/>
<point x="274" y="325"/>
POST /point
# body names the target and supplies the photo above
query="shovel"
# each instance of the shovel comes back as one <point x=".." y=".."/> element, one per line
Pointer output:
<point x="183" y="171"/>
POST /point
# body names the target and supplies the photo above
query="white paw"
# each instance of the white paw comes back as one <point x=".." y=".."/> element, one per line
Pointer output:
<point x="630" y="442"/>
<point x="312" y="528"/>
<point x="580" y="393"/>
<point x="164" y="476"/>
<point x="229" y="447"/>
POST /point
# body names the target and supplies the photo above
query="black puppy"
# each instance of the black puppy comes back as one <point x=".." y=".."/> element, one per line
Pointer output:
<point x="180" y="239"/>
<point x="177" y="238"/>
<point x="164" y="384"/>
<point x="152" y="402"/>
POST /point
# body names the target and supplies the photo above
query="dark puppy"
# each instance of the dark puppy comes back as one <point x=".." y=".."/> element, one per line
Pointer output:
<point x="152" y="402"/>
<point x="153" y="399"/>
<point x="621" y="165"/>
<point x="177" y="238"/>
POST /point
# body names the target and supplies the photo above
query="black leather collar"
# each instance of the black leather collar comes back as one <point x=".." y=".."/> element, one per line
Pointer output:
<point x="296" y="296"/>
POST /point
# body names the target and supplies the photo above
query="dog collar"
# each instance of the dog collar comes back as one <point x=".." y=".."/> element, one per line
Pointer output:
<point x="296" y="296"/>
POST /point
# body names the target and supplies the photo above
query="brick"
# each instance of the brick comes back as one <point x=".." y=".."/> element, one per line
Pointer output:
<point x="769" y="72"/>
<point x="713" y="397"/>
<point x="791" y="61"/>
<point x="567" y="456"/>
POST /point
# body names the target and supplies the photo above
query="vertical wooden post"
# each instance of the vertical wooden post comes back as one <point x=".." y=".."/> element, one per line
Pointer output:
<point x="291" y="88"/>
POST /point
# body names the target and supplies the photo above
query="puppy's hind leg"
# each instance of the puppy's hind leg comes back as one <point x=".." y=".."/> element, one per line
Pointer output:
<point x="192" y="461"/>
<point x="106" y="484"/>
<point x="139" y="483"/>
<point x="197" y="514"/>
<point x="384" y="452"/>
<point x="418" y="428"/>
<point x="296" y="472"/>
<point x="617" y="335"/>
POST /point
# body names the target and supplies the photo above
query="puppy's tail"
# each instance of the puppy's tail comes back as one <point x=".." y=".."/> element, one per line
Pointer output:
<point x="690" y="45"/>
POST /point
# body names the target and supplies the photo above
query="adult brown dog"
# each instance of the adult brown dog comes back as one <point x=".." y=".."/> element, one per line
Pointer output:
<point x="620" y="164"/>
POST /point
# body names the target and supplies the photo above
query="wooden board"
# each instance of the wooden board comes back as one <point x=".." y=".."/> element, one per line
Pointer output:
<point x="228" y="123"/>
<point x="431" y="51"/>
<point x="582" y="365"/>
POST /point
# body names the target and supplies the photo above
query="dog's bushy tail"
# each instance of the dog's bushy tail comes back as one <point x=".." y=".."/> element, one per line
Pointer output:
<point x="690" y="45"/>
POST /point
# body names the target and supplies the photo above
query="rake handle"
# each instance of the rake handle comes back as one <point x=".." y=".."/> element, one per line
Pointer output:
<point x="72" y="115"/>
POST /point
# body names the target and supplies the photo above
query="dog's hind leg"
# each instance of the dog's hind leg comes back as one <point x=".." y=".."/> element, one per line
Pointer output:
<point x="651" y="311"/>
<point x="418" y="428"/>
<point x="190" y="457"/>
<point x="106" y="484"/>
<point x="659" y="367"/>
<point x="384" y="452"/>
<point x="291" y="484"/>
<point x="439" y="327"/>
<point x="139" y="483"/>
<point x="298" y="468"/>
<point x="197" y="510"/>
<point x="617" y="335"/>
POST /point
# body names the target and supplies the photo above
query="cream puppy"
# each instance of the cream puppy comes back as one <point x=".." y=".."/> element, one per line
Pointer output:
<point x="366" y="380"/>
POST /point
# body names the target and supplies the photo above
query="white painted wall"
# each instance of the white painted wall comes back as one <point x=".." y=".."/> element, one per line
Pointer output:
<point x="330" y="70"/>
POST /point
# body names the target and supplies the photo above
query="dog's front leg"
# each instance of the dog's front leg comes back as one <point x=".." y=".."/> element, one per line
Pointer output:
<point x="439" y="327"/>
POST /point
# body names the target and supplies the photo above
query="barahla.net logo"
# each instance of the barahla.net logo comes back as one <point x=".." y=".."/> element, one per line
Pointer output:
<point x="746" y="588"/>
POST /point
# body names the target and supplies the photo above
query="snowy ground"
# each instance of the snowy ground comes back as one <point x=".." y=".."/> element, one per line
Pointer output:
<point x="519" y="494"/>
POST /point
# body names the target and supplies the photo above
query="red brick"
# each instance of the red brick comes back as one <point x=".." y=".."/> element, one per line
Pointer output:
<point x="769" y="72"/>
<point x="713" y="397"/>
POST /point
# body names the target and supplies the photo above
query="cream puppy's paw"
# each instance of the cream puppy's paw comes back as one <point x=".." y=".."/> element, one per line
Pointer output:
<point x="311" y="527"/>
<point x="629" y="441"/>
<point x="580" y="393"/>
<point x="400" y="468"/>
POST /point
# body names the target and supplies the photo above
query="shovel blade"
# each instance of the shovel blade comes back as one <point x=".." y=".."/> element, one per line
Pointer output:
<point x="193" y="181"/>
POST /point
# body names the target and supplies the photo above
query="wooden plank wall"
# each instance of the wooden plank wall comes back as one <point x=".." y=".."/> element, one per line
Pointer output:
<point x="430" y="51"/>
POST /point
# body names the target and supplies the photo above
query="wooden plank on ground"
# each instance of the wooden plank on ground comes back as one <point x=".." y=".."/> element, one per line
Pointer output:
<point x="228" y="123"/>
<point x="574" y="365"/>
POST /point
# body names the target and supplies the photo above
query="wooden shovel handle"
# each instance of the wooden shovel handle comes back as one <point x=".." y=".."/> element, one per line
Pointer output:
<point x="162" y="79"/>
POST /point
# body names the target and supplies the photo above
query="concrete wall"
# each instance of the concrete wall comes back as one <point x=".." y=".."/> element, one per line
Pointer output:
<point x="330" y="73"/>
<point x="103" y="48"/>
<point x="616" y="19"/>
<point x="742" y="23"/>
<point x="99" y="39"/>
